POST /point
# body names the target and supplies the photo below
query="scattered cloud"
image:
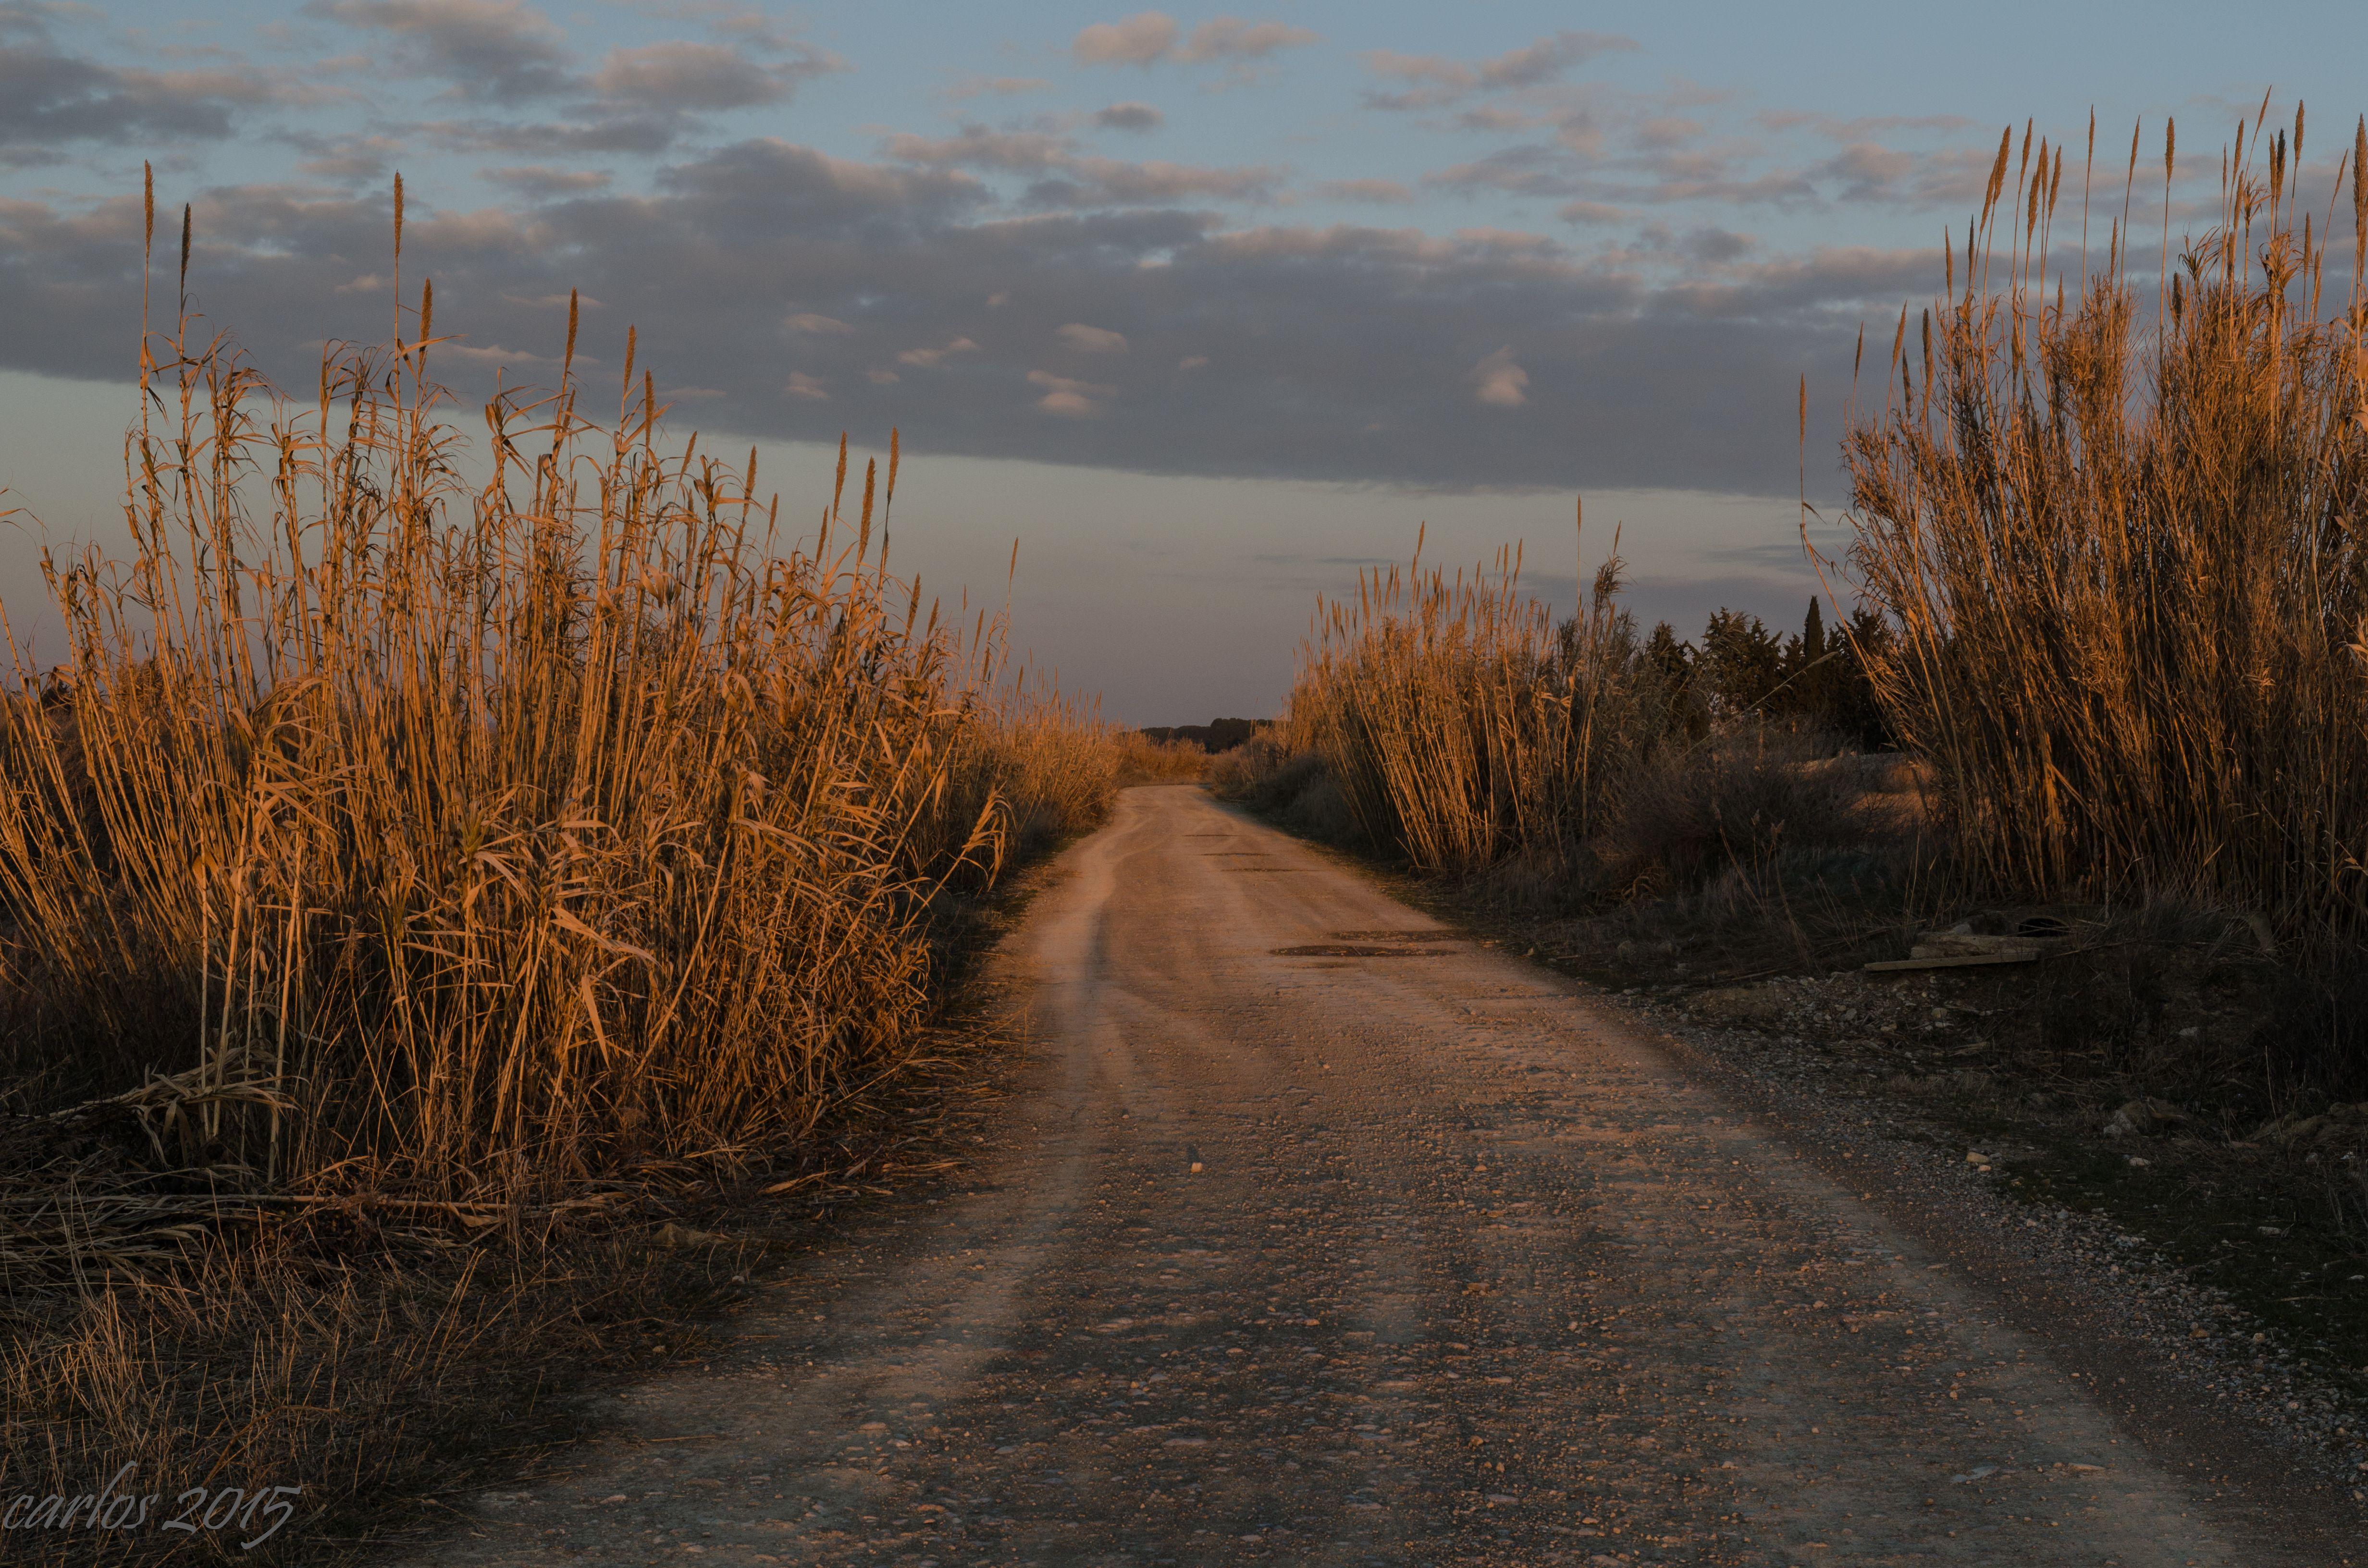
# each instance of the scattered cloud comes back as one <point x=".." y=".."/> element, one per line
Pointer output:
<point x="1108" y="182"/>
<point x="1068" y="176"/>
<point x="1868" y="171"/>
<point x="498" y="50"/>
<point x="501" y="57"/>
<point x="1144" y="39"/>
<point x="1340" y="351"/>
<point x="1591" y="213"/>
<point x="1663" y="131"/>
<point x="976" y="147"/>
<point x="1129" y="116"/>
<point x="926" y="358"/>
<point x="1593" y="186"/>
<point x="639" y="135"/>
<point x="1070" y="398"/>
<point x="1859" y="128"/>
<point x="1228" y="38"/>
<point x="1387" y="190"/>
<point x="493" y="357"/>
<point x="350" y="158"/>
<point x="1147" y="37"/>
<point x="538" y="182"/>
<point x="51" y="98"/>
<point x="1091" y="340"/>
<point x="1430" y="81"/>
<point x="1498" y="118"/>
<point x="683" y="77"/>
<point x="968" y="87"/>
<point x="1499" y="382"/>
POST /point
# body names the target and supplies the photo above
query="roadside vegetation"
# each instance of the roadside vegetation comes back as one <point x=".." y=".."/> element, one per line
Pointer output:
<point x="2099" y="710"/>
<point x="432" y="878"/>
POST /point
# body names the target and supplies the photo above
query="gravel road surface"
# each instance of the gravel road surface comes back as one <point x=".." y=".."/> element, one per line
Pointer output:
<point x="1320" y="1237"/>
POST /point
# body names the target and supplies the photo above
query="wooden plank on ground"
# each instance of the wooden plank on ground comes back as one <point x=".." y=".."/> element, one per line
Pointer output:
<point x="1955" y="961"/>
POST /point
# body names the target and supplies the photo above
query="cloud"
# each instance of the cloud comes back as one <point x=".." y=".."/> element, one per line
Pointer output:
<point x="1069" y="177"/>
<point x="970" y="88"/>
<point x="505" y="55"/>
<point x="1149" y="37"/>
<point x="48" y="97"/>
<point x="676" y="78"/>
<point x="1499" y="382"/>
<point x="646" y="135"/>
<point x="1870" y="172"/>
<point x="352" y="158"/>
<point x="1387" y="190"/>
<point x="1064" y="396"/>
<point x="1228" y="38"/>
<point x="1144" y="39"/>
<point x="1859" y="128"/>
<point x="1091" y="340"/>
<point x="1336" y="352"/>
<point x="768" y="182"/>
<point x="538" y="182"/>
<point x="499" y="51"/>
<point x="1590" y="213"/>
<point x="1663" y="131"/>
<point x="1129" y="116"/>
<point x="976" y="147"/>
<point x="1660" y="177"/>
<point x="1432" y="80"/>
<point x="926" y="358"/>
<point x="1548" y="58"/>
<point x="1498" y="118"/>
<point x="1108" y="182"/>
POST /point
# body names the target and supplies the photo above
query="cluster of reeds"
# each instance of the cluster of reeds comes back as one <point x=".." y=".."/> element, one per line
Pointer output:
<point x="1461" y="723"/>
<point x="2118" y="524"/>
<point x="394" y="826"/>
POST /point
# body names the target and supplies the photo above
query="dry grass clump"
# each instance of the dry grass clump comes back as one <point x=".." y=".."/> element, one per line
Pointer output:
<point x="1144" y="759"/>
<point x="1460" y="723"/>
<point x="1739" y="796"/>
<point x="2123" y="551"/>
<point x="373" y="1386"/>
<point x="1455" y="723"/>
<point x="385" y="832"/>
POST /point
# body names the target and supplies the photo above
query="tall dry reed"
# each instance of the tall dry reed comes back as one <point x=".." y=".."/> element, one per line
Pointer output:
<point x="2119" y="530"/>
<point x="384" y="829"/>
<point x="1461" y="723"/>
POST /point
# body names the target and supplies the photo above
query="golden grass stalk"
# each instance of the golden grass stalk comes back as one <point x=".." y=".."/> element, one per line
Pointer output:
<point x="2124" y="549"/>
<point x="1461" y="723"/>
<point x="475" y="838"/>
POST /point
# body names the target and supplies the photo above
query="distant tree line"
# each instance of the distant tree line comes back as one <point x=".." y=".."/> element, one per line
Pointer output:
<point x="1814" y="676"/>
<point x="1216" y="736"/>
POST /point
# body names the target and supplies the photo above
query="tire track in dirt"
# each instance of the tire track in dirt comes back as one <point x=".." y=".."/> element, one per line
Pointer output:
<point x="1471" y="1273"/>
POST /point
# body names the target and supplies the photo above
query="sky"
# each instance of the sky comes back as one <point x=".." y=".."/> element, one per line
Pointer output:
<point x="1207" y="310"/>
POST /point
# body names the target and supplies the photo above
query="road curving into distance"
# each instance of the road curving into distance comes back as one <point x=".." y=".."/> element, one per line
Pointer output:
<point x="1317" y="1235"/>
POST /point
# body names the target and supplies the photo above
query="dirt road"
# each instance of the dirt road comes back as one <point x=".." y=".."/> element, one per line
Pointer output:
<point x="1320" y="1258"/>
